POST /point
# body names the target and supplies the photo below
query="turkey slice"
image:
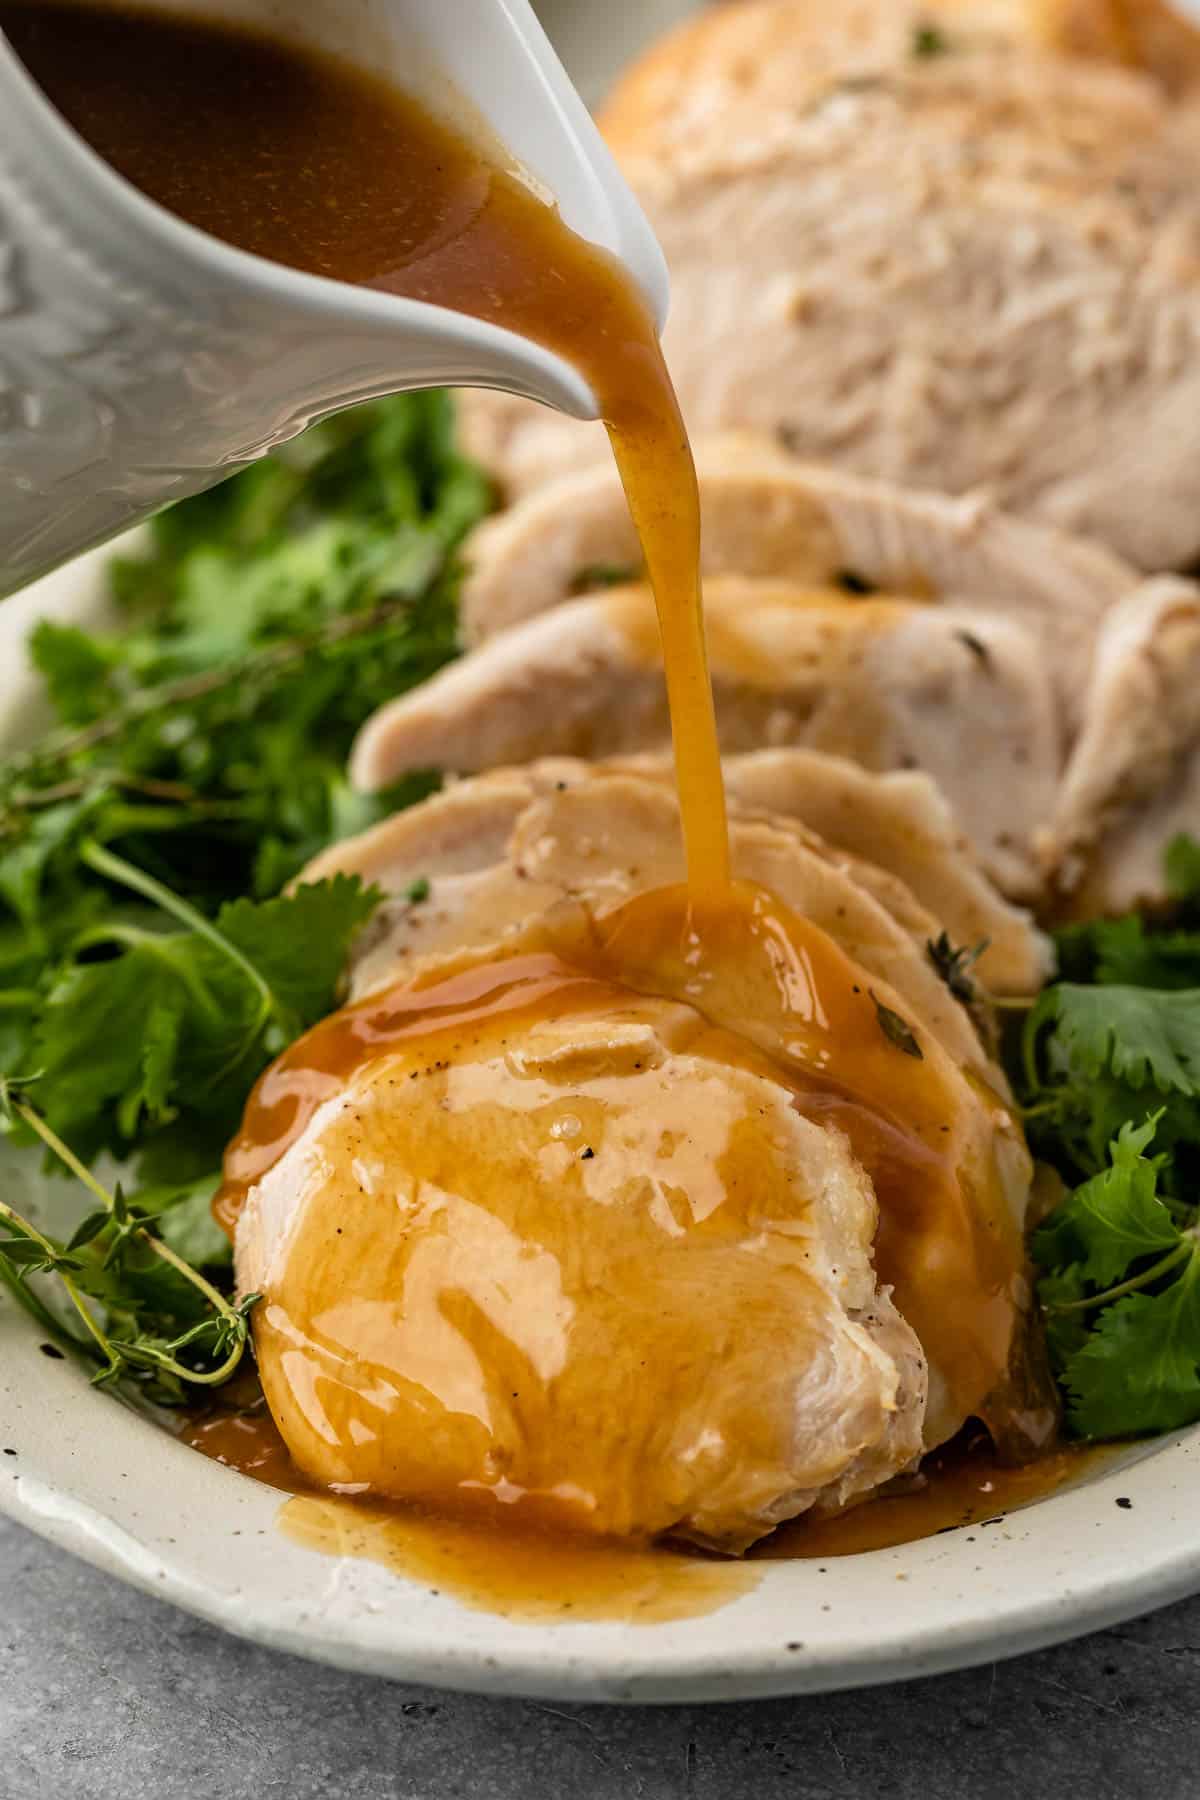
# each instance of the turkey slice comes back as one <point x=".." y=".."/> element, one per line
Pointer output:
<point x="895" y="832"/>
<point x="1133" y="779"/>
<point x="965" y="696"/>
<point x="767" y="515"/>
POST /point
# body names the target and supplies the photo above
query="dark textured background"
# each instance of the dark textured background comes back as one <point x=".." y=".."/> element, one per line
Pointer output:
<point x="106" y="1695"/>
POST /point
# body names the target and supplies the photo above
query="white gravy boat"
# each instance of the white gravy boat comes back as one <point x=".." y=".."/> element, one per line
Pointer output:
<point x="141" y="360"/>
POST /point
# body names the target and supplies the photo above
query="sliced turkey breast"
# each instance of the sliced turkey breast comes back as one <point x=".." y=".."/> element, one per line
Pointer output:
<point x="966" y="696"/>
<point x="1133" y="779"/>
<point x="973" y="269"/>
<point x="901" y="824"/>
<point x="766" y="514"/>
<point x="895" y="834"/>
<point x="574" y="1232"/>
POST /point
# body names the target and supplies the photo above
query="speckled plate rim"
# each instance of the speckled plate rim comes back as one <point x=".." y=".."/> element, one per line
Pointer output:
<point x="117" y="1490"/>
<point x="111" y="1486"/>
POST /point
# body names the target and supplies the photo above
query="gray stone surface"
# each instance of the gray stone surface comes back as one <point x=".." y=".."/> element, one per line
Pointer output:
<point x="106" y="1695"/>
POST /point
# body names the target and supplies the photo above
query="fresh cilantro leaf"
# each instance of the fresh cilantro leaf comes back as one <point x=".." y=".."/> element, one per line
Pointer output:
<point x="1114" y="1219"/>
<point x="92" y="1036"/>
<point x="1144" y="1037"/>
<point x="1066" y="1324"/>
<point x="1139" y="1370"/>
<point x="34" y="841"/>
<point x="77" y="668"/>
<point x="1126" y="954"/>
<point x="173" y="1025"/>
<point x="299" y="944"/>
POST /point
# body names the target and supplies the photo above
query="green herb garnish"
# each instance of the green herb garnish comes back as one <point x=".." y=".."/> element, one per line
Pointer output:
<point x="1110" y="1067"/>
<point x="927" y="41"/>
<point x="954" y="965"/>
<point x="851" y="582"/>
<point x="897" y="1030"/>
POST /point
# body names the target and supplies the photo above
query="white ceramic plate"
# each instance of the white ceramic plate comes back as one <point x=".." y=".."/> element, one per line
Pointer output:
<point x="111" y="1486"/>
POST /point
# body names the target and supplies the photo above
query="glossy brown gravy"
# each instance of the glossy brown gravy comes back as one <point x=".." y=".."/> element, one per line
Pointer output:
<point x="960" y="1485"/>
<point x="311" y="162"/>
<point x="944" y="1243"/>
<point x="540" y="1578"/>
<point x="528" y="1575"/>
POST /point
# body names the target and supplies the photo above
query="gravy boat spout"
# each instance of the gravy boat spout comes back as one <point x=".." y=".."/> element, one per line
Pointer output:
<point x="142" y="360"/>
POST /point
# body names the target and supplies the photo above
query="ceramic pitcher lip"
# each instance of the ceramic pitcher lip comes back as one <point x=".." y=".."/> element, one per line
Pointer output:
<point x="502" y="358"/>
<point x="141" y="360"/>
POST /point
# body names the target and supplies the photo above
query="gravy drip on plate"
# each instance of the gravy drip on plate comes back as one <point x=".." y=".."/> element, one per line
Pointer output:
<point x="550" y="1578"/>
<point x="528" y="1575"/>
<point x="312" y="162"/>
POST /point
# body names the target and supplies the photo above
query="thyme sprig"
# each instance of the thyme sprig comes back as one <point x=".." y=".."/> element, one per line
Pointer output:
<point x="90" y="1264"/>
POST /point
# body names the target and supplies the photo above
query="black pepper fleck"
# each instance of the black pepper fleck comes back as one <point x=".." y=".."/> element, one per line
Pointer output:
<point x="586" y="1154"/>
<point x="1125" y="1503"/>
<point x="52" y="1351"/>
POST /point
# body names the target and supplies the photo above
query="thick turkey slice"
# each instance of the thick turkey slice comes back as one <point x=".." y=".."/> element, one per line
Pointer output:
<point x="615" y="1253"/>
<point x="894" y="832"/>
<point x="495" y="1315"/>
<point x="767" y="515"/>
<point x="974" y="269"/>
<point x="965" y="696"/>
<point x="1133" y="779"/>
<point x="899" y="823"/>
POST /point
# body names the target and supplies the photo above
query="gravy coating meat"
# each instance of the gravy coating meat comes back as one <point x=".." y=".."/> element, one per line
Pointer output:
<point x="590" y="1209"/>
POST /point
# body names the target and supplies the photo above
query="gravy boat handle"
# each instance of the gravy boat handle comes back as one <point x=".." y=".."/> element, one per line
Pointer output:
<point x="142" y="360"/>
